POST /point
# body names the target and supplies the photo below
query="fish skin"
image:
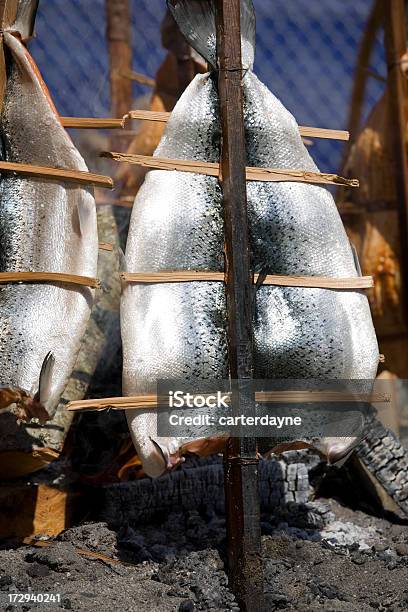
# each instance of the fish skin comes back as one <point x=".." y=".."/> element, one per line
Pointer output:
<point x="44" y="226"/>
<point x="295" y="228"/>
<point x="188" y="338"/>
<point x="178" y="330"/>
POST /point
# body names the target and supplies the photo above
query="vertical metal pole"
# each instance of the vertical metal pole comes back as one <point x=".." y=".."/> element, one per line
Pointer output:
<point x="241" y="463"/>
<point x="395" y="39"/>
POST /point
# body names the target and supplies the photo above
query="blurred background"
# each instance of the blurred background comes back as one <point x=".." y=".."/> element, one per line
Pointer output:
<point x="306" y="54"/>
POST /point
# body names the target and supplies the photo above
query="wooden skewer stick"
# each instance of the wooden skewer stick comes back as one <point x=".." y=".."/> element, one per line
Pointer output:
<point x="92" y="123"/>
<point x="53" y="277"/>
<point x="70" y="176"/>
<point x="137" y="77"/>
<point x="310" y="132"/>
<point x="152" y="401"/>
<point x="116" y="403"/>
<point x="213" y="169"/>
<point x="322" y="282"/>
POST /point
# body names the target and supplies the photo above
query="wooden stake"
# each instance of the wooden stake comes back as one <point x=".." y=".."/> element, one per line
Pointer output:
<point x="396" y="46"/>
<point x="213" y="169"/>
<point x="241" y="462"/>
<point x="310" y="132"/>
<point x="120" y="54"/>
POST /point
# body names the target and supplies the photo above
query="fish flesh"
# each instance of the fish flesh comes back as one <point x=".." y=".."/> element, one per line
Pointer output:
<point x="45" y="226"/>
<point x="178" y="330"/>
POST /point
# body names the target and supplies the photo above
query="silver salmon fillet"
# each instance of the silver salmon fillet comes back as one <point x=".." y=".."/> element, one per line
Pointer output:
<point x="45" y="226"/>
<point x="178" y="330"/>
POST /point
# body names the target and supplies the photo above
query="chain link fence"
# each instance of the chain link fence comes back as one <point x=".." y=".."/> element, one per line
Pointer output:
<point x="306" y="54"/>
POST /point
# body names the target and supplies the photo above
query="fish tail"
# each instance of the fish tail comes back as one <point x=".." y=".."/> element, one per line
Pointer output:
<point x="24" y="23"/>
<point x="196" y="20"/>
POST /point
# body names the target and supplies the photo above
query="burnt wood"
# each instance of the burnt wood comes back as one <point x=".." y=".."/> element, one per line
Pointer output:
<point x="198" y="484"/>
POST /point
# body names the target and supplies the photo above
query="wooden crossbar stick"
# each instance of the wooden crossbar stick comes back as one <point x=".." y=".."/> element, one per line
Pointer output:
<point x="105" y="246"/>
<point x="312" y="132"/>
<point x="70" y="176"/>
<point x="151" y="401"/>
<point x="137" y="77"/>
<point x="146" y="115"/>
<point x="7" y="278"/>
<point x="309" y="132"/>
<point x="92" y="123"/>
<point x="182" y="276"/>
<point x="213" y="169"/>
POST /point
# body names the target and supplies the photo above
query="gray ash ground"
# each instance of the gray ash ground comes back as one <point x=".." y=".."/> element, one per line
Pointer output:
<point x="333" y="558"/>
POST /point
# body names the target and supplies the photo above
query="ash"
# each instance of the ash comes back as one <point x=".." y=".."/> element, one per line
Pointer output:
<point x="322" y="557"/>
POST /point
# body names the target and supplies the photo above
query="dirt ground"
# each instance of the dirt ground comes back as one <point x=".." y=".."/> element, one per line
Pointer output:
<point x="349" y="562"/>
